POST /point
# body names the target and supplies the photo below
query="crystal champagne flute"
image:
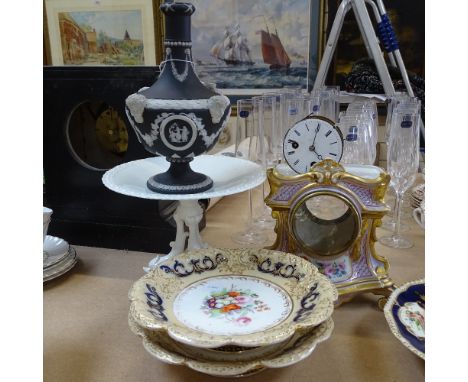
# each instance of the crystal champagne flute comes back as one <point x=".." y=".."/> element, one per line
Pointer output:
<point x="266" y="117"/>
<point x="400" y="100"/>
<point x="249" y="145"/>
<point x="402" y="165"/>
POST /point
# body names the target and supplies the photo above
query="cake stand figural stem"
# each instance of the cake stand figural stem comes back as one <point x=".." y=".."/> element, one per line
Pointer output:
<point x="188" y="213"/>
<point x="229" y="175"/>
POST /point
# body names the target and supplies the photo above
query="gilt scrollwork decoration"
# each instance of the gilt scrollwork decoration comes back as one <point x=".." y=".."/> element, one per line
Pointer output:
<point x="194" y="265"/>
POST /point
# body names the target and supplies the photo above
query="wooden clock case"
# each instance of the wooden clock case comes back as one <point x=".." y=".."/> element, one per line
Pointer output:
<point x="85" y="212"/>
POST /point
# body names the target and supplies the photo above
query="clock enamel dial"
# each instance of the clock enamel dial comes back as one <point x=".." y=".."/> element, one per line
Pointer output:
<point x="312" y="140"/>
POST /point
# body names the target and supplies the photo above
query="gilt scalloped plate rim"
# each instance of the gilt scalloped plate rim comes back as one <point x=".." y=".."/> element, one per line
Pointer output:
<point x="235" y="369"/>
<point x="391" y="320"/>
<point x="281" y="332"/>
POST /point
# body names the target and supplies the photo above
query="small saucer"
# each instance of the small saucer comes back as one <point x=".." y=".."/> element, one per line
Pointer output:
<point x="62" y="267"/>
<point x="56" y="249"/>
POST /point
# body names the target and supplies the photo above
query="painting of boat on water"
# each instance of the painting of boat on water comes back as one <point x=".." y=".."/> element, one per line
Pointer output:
<point x="245" y="44"/>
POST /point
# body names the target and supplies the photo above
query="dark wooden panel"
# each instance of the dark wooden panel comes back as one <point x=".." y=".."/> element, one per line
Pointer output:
<point x="86" y="212"/>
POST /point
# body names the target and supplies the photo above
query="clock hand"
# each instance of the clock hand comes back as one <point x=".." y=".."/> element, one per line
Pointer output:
<point x="312" y="147"/>
<point x="316" y="132"/>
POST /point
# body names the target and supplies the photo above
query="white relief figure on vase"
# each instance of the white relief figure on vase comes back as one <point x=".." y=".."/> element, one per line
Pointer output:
<point x="178" y="134"/>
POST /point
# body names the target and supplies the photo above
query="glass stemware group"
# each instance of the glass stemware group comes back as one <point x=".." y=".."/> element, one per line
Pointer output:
<point x="262" y="122"/>
<point x="359" y="128"/>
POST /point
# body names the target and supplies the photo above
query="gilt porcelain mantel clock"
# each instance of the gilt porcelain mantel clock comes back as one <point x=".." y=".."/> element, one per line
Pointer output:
<point x="328" y="213"/>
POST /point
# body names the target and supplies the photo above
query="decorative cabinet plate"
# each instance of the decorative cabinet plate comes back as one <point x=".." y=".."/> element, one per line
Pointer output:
<point x="294" y="350"/>
<point x="212" y="297"/>
<point x="405" y="314"/>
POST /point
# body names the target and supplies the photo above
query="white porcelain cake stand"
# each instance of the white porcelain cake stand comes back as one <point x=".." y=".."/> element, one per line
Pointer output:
<point x="229" y="175"/>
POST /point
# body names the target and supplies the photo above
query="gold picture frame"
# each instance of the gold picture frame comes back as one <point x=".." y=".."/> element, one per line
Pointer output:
<point x="87" y="46"/>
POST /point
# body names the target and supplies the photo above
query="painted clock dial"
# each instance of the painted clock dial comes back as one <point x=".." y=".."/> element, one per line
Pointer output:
<point x="312" y="140"/>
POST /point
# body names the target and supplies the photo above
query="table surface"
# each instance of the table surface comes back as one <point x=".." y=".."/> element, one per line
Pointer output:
<point x="86" y="335"/>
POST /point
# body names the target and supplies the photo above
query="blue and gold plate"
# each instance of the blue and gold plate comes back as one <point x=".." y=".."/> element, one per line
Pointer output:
<point x="405" y="314"/>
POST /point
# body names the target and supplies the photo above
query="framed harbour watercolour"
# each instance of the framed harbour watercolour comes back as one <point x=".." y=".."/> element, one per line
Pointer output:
<point x="103" y="32"/>
<point x="248" y="47"/>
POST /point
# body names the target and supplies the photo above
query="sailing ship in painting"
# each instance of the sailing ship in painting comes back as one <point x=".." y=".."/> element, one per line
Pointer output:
<point x="234" y="48"/>
<point x="251" y="45"/>
<point x="273" y="50"/>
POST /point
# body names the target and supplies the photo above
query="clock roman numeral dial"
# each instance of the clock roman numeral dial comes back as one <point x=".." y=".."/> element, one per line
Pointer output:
<point x="310" y="141"/>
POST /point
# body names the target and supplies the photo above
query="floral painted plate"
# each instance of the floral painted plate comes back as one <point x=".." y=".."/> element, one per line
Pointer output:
<point x="405" y="314"/>
<point x="297" y="348"/>
<point x="246" y="297"/>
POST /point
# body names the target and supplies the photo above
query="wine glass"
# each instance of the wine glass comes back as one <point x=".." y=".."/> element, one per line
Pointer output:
<point x="249" y="145"/>
<point x="389" y="220"/>
<point x="367" y="111"/>
<point x="271" y="127"/>
<point x="267" y="110"/>
<point x="314" y="103"/>
<point x="328" y="103"/>
<point x="358" y="143"/>
<point x="402" y="165"/>
<point x="399" y="100"/>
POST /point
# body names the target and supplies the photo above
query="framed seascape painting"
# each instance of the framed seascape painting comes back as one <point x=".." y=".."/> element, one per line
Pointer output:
<point x="247" y="47"/>
<point x="103" y="32"/>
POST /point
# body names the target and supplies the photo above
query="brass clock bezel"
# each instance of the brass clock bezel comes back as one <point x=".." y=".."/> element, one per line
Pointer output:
<point x="313" y="193"/>
<point x="312" y="116"/>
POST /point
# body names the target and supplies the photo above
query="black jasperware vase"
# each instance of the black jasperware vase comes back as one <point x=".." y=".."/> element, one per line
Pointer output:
<point x="178" y="117"/>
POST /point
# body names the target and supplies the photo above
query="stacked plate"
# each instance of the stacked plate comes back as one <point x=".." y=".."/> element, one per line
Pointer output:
<point x="232" y="312"/>
<point x="405" y="314"/>
<point x="417" y="195"/>
<point x="59" y="257"/>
